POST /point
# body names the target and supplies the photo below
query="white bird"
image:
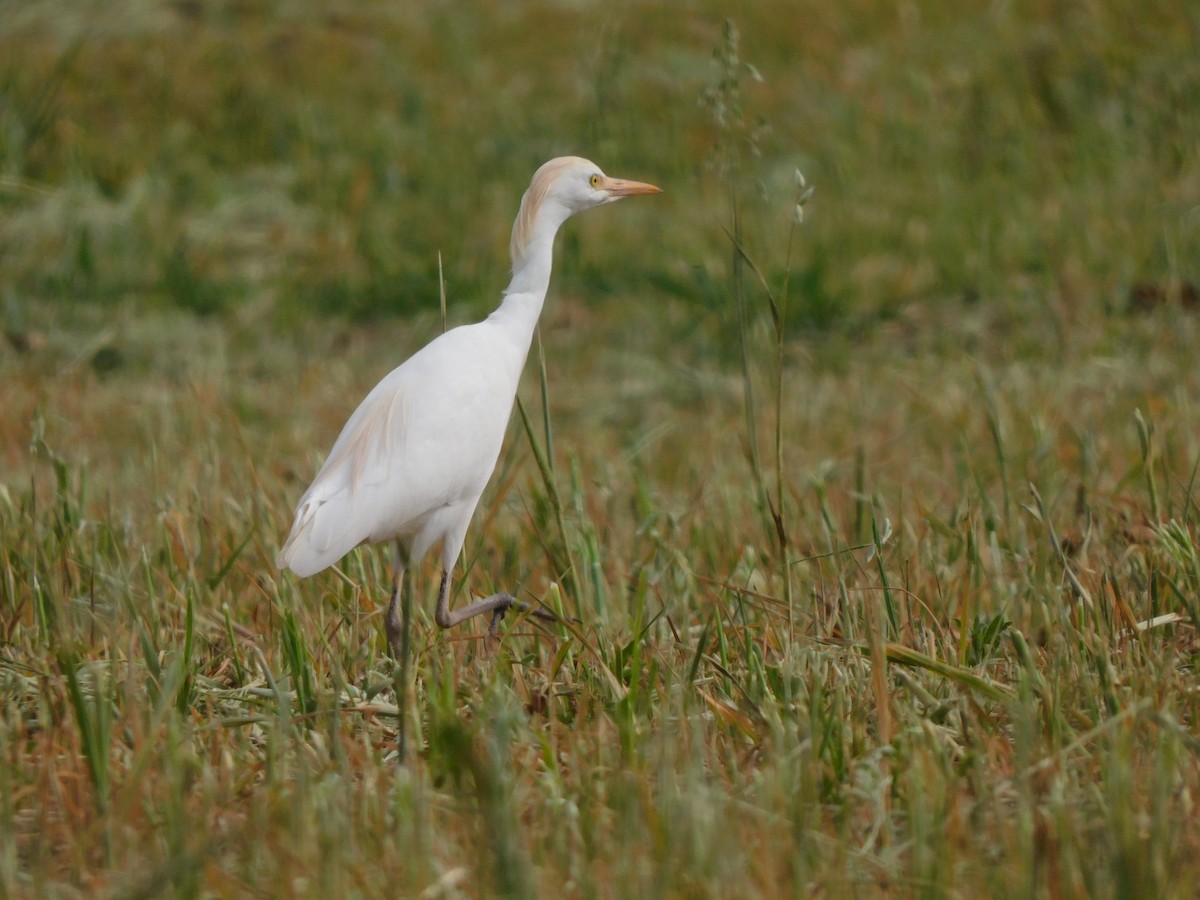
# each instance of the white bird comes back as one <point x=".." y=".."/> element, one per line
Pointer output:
<point x="414" y="458"/>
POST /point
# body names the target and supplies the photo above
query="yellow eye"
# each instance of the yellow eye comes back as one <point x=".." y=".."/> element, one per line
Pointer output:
<point x="594" y="181"/>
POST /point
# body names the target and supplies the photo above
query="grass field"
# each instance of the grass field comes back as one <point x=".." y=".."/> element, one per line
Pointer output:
<point x="883" y="529"/>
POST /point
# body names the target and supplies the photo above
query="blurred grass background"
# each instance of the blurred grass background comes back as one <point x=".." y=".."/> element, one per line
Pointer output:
<point x="220" y="224"/>
<point x="319" y="157"/>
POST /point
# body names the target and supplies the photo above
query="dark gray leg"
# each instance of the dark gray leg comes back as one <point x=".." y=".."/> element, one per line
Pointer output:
<point x="497" y="605"/>
<point x="398" y="625"/>
<point x="393" y="624"/>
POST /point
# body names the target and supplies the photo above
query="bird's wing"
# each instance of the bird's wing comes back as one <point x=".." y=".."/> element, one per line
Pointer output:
<point x="425" y="438"/>
<point x="333" y="515"/>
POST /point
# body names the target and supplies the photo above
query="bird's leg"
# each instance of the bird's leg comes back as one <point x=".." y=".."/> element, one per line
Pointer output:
<point x="497" y="605"/>
<point x="398" y="625"/>
<point x="393" y="624"/>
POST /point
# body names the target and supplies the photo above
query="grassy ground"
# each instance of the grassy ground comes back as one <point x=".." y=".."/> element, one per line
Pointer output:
<point x="892" y="593"/>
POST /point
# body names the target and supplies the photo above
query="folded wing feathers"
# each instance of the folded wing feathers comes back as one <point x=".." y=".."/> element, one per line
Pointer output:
<point x="326" y="526"/>
<point x="368" y="443"/>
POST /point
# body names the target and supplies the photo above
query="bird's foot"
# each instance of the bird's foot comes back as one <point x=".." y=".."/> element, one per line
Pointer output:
<point x="513" y="603"/>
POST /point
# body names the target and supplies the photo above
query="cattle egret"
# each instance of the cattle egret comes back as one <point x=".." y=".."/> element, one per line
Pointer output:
<point x="413" y="460"/>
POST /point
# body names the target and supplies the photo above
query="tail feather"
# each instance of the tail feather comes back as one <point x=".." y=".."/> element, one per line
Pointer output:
<point x="312" y="544"/>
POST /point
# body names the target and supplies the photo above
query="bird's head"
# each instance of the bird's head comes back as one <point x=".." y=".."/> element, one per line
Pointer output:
<point x="565" y="186"/>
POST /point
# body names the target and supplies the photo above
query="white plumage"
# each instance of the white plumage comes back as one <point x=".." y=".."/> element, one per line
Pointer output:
<point x="414" y="458"/>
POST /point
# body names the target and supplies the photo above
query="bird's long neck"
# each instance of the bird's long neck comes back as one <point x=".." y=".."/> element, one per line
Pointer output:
<point x="532" y="263"/>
